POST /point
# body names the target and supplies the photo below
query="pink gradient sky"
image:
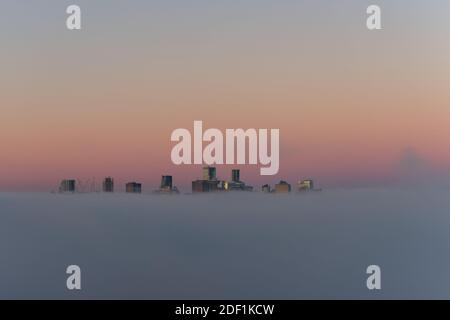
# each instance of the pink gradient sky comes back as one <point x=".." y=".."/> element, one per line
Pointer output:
<point x="104" y="101"/>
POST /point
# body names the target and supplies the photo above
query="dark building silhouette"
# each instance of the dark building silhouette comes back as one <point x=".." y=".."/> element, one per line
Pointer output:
<point x="282" y="187"/>
<point x="166" y="183"/>
<point x="235" y="175"/>
<point x="108" y="185"/>
<point x="265" y="188"/>
<point x="209" y="183"/>
<point x="133" y="187"/>
<point x="204" y="186"/>
<point x="236" y="184"/>
<point x="306" y="185"/>
<point x="209" y="173"/>
<point x="166" y="186"/>
<point x="67" y="185"/>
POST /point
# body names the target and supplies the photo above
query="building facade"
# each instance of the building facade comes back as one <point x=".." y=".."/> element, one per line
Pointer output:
<point x="209" y="173"/>
<point x="108" y="185"/>
<point x="166" y="183"/>
<point x="67" y="185"/>
<point x="235" y="175"/>
<point x="282" y="187"/>
<point x="133" y="187"/>
<point x="306" y="185"/>
<point x="204" y="186"/>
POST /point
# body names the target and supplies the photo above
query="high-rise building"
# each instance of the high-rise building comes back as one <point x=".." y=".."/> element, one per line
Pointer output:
<point x="282" y="187"/>
<point x="166" y="183"/>
<point x="236" y="184"/>
<point x="235" y="175"/>
<point x="108" y="185"/>
<point x="209" y="173"/>
<point x="166" y="186"/>
<point x="209" y="182"/>
<point x="306" y="185"/>
<point x="133" y="187"/>
<point x="204" y="186"/>
<point x="67" y="185"/>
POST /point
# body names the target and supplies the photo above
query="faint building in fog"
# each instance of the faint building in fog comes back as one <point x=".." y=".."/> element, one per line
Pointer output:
<point x="209" y="173"/>
<point x="236" y="184"/>
<point x="166" y="183"/>
<point x="108" y="185"/>
<point x="235" y="175"/>
<point x="282" y="187"/>
<point x="306" y="185"/>
<point x="67" y="185"/>
<point x="133" y="187"/>
<point x="166" y="186"/>
<point x="204" y="186"/>
<point x="209" y="183"/>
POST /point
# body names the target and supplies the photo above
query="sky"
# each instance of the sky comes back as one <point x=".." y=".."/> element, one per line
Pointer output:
<point x="354" y="107"/>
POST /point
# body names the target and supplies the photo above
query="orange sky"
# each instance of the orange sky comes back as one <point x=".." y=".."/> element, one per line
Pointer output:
<point x="105" y="100"/>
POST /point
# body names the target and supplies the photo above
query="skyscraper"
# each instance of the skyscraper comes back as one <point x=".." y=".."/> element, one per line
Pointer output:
<point x="306" y="185"/>
<point x="282" y="187"/>
<point x="133" y="187"/>
<point x="209" y="182"/>
<point x="108" y="185"/>
<point x="166" y="183"/>
<point x="235" y="175"/>
<point x="67" y="185"/>
<point x="236" y="184"/>
<point x="166" y="186"/>
<point x="209" y="173"/>
<point x="204" y="186"/>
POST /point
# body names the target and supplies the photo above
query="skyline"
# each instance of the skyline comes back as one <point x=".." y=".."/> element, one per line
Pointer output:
<point x="209" y="175"/>
<point x="354" y="108"/>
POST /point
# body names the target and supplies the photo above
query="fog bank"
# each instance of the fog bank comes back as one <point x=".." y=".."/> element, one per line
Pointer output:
<point x="233" y="246"/>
